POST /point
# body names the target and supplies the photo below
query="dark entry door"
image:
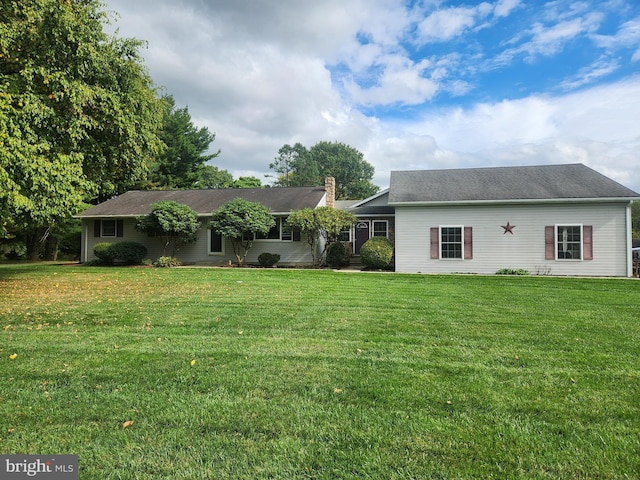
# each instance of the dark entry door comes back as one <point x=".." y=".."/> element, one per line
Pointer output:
<point x="362" y="234"/>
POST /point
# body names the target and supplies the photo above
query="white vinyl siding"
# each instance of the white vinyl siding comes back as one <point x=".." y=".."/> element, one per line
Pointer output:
<point x="493" y="249"/>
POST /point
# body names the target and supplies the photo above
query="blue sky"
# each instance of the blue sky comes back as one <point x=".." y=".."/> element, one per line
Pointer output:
<point x="413" y="85"/>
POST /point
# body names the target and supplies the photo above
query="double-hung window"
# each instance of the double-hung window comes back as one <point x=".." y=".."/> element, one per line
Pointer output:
<point x="380" y="228"/>
<point x="569" y="242"/>
<point x="452" y="242"/>
<point x="108" y="228"/>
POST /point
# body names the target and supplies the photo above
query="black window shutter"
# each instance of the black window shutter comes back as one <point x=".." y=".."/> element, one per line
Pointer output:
<point x="96" y="228"/>
<point x="119" y="228"/>
<point x="296" y="235"/>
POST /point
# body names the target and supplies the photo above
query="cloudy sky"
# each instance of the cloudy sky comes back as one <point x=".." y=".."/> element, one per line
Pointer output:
<point x="417" y="84"/>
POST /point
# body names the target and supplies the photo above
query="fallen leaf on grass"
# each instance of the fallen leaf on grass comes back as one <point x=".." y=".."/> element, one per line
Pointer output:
<point x="193" y="362"/>
<point x="127" y="424"/>
<point x="337" y="390"/>
<point x="13" y="356"/>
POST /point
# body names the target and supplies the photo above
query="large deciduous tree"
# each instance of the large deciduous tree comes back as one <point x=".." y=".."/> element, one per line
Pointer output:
<point x="79" y="114"/>
<point x="180" y="164"/>
<point x="297" y="166"/>
<point x="240" y="220"/>
<point x="322" y="227"/>
<point x="210" y="176"/>
<point x="347" y="165"/>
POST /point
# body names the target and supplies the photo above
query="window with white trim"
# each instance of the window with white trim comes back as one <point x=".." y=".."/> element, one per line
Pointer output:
<point x="569" y="242"/>
<point x="277" y="232"/>
<point x="451" y="242"/>
<point x="108" y="228"/>
<point x="272" y="234"/>
<point x="345" y="236"/>
<point x="216" y="243"/>
<point x="380" y="228"/>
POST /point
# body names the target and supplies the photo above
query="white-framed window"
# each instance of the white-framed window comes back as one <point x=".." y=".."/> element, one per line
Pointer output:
<point x="277" y="232"/>
<point x="565" y="241"/>
<point x="451" y="242"/>
<point x="569" y="242"/>
<point x="380" y="228"/>
<point x="108" y="228"/>
<point x="345" y="235"/>
<point x="272" y="234"/>
<point x="216" y="243"/>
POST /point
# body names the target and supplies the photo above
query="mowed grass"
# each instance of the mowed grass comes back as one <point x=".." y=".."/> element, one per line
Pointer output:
<point x="267" y="373"/>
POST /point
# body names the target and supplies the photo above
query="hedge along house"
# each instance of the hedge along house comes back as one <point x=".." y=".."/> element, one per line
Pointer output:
<point x="114" y="221"/>
<point x="551" y="220"/>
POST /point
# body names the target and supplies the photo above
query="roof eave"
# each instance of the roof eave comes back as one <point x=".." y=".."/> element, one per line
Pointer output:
<point x="136" y="215"/>
<point x="368" y="199"/>
<point x="519" y="201"/>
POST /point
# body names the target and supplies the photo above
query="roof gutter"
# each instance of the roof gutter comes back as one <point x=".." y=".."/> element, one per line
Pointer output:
<point x="136" y="215"/>
<point x="521" y="201"/>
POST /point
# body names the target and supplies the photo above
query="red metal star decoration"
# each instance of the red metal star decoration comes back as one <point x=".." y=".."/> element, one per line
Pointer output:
<point x="508" y="228"/>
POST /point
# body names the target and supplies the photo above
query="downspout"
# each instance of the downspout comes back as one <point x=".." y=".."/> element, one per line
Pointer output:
<point x="83" y="254"/>
<point x="629" y="231"/>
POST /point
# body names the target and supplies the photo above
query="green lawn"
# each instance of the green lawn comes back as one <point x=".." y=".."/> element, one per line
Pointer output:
<point x="267" y="373"/>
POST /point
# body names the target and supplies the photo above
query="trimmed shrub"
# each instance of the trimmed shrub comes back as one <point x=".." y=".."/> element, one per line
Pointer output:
<point x="512" y="271"/>
<point x="103" y="252"/>
<point x="130" y="253"/>
<point x="268" y="259"/>
<point x="166" y="262"/>
<point x="377" y="252"/>
<point x="337" y="255"/>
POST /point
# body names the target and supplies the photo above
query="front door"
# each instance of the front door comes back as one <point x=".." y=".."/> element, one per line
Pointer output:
<point x="362" y="234"/>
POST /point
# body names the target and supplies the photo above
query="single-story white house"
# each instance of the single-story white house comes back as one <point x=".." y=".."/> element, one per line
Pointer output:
<point x="114" y="221"/>
<point x="549" y="220"/>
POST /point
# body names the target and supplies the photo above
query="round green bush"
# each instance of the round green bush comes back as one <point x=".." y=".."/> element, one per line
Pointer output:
<point x="337" y="255"/>
<point x="377" y="252"/>
<point x="130" y="253"/>
<point x="268" y="259"/>
<point x="103" y="252"/>
<point x="166" y="262"/>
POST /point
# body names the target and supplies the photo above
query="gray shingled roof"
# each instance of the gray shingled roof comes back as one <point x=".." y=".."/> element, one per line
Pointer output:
<point x="548" y="182"/>
<point x="138" y="202"/>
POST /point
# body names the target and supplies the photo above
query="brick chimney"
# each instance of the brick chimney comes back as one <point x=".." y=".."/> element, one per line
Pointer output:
<point x="330" y="189"/>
